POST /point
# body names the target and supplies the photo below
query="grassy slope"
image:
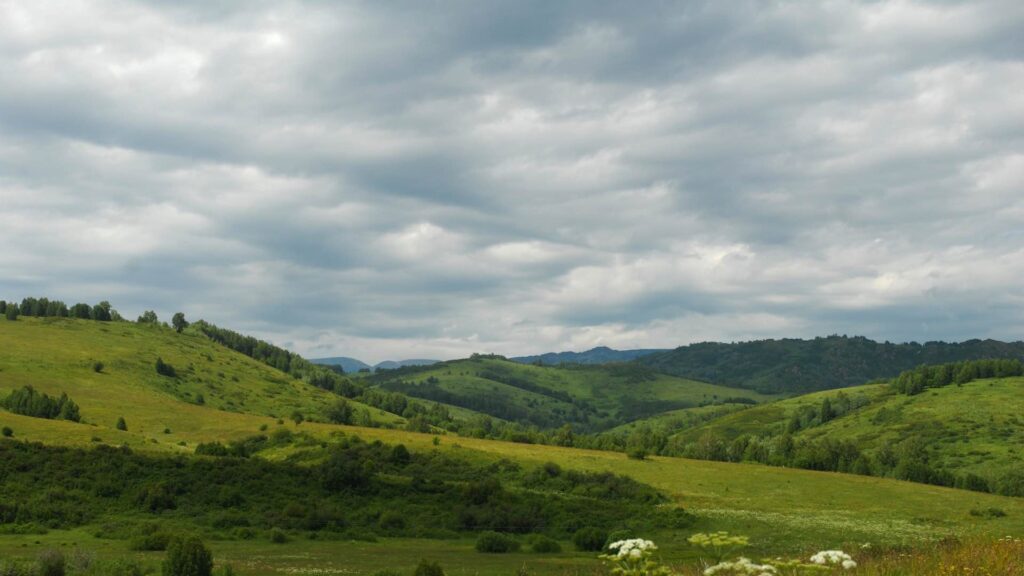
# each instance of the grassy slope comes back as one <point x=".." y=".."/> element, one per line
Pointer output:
<point x="682" y="419"/>
<point x="606" y="391"/>
<point x="974" y="428"/>
<point x="56" y="355"/>
<point x="783" y="509"/>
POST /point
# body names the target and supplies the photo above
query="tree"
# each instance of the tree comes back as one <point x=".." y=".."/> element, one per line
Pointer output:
<point x="121" y="424"/>
<point x="148" y="317"/>
<point x="298" y="418"/>
<point x="340" y="412"/>
<point x="12" y="311"/>
<point x="101" y="312"/>
<point x="165" y="369"/>
<point x="179" y="322"/>
<point x="187" y="557"/>
<point x="81" y="310"/>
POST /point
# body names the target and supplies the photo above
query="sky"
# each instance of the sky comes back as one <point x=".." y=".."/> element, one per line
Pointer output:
<point x="430" y="179"/>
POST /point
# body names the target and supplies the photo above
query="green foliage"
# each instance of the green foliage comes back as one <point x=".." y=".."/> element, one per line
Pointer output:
<point x="178" y="322"/>
<point x="187" y="557"/>
<point x="150" y="541"/>
<point x="796" y="366"/>
<point x="427" y="568"/>
<point x="51" y="563"/>
<point x="7" y="432"/>
<point x="545" y="545"/>
<point x="278" y="536"/>
<point x="590" y="539"/>
<point x="915" y="381"/>
<point x="495" y="543"/>
<point x="27" y="402"/>
<point x="339" y="412"/>
<point x="148" y="317"/>
<point x="97" y="367"/>
<point x="165" y="369"/>
<point x="121" y="424"/>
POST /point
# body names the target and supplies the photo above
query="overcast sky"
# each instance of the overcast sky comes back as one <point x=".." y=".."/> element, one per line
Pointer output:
<point x="431" y="179"/>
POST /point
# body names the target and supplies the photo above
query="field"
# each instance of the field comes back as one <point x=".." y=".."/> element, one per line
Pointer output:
<point x="784" y="511"/>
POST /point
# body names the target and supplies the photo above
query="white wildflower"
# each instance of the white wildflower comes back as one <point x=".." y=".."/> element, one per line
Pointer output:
<point x="742" y="566"/>
<point x="835" y="557"/>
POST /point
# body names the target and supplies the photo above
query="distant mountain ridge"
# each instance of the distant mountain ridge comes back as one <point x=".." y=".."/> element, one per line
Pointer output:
<point x="599" y="355"/>
<point x="793" y="366"/>
<point x="353" y="365"/>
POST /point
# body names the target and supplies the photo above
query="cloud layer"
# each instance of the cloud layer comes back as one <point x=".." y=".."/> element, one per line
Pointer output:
<point x="429" y="180"/>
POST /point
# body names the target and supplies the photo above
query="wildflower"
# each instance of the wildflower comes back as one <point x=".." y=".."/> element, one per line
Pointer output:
<point x="632" y="557"/>
<point x="740" y="566"/>
<point x="835" y="557"/>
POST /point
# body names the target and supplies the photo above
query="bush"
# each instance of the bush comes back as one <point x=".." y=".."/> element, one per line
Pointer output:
<point x="51" y="563"/>
<point x="637" y="453"/>
<point x="589" y="539"/>
<point x="97" y="367"/>
<point x="391" y="521"/>
<point x="156" y="541"/>
<point x="121" y="424"/>
<point x="118" y="567"/>
<point x="277" y="536"/>
<point x="616" y="536"/>
<point x="165" y="369"/>
<point x="187" y="557"/>
<point x="7" y="432"/>
<point x="545" y="545"/>
<point x="428" y="569"/>
<point x="495" y="543"/>
<point x="12" y="569"/>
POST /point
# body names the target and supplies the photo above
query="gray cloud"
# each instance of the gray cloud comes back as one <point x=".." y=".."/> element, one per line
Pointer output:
<point x="421" y="180"/>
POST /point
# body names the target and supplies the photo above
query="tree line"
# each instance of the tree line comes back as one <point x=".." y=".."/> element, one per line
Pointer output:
<point x="29" y="402"/>
<point x="911" y="382"/>
<point x="46" y="308"/>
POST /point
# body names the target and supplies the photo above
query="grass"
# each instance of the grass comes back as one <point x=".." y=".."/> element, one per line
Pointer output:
<point x="785" y="511"/>
<point x="240" y="394"/>
<point x="977" y="427"/>
<point x="618" y="394"/>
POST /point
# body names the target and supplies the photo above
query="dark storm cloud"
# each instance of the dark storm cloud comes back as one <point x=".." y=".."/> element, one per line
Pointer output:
<point x="424" y="179"/>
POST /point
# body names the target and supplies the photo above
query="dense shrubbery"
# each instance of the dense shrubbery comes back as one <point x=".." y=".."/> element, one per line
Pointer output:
<point x="349" y="491"/>
<point x="496" y="543"/>
<point x="27" y="402"/>
<point x="187" y="557"/>
<point x="917" y="380"/>
<point x="46" y="308"/>
<point x="590" y="539"/>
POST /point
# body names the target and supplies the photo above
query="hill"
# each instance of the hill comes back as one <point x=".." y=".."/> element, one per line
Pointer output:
<point x="590" y="398"/>
<point x="790" y="366"/>
<point x="321" y="487"/>
<point x="969" y="434"/>
<point x="215" y="392"/>
<point x="352" y="365"/>
<point x="599" y="355"/>
<point x="349" y="365"/>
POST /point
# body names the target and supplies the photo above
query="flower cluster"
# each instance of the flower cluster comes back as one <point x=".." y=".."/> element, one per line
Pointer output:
<point x="633" y="548"/>
<point x="741" y="566"/>
<point x="836" y="557"/>
<point x="632" y="557"/>
<point x="718" y="544"/>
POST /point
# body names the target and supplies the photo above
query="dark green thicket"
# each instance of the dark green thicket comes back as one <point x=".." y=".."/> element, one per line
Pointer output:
<point x="27" y="402"/>
<point x="187" y="557"/>
<point x="796" y="366"/>
<point x="351" y="490"/>
<point x="917" y="380"/>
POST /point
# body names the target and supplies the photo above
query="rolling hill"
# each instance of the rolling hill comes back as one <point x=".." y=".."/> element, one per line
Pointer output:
<point x="216" y="391"/>
<point x="599" y="355"/>
<point x="783" y="510"/>
<point x="590" y="398"/>
<point x="792" y="366"/>
<point x="974" y="429"/>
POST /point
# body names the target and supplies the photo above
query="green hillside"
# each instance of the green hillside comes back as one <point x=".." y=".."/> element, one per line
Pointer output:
<point x="590" y="398"/>
<point x="973" y="429"/>
<point x="325" y="493"/>
<point x="796" y="366"/>
<point x="216" y="391"/>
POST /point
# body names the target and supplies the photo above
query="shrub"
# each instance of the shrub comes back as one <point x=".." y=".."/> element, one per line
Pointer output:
<point x="187" y="557"/>
<point x="118" y="567"/>
<point x="7" y="432"/>
<point x="277" y="536"/>
<point x="155" y="541"/>
<point x="495" y="543"/>
<point x="12" y="569"/>
<point x="51" y="563"/>
<point x="545" y="545"/>
<point x="615" y="536"/>
<point x="121" y="424"/>
<point x="391" y="521"/>
<point x="165" y="369"/>
<point x="425" y="568"/>
<point x="97" y="367"/>
<point x="637" y="453"/>
<point x="589" y="539"/>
